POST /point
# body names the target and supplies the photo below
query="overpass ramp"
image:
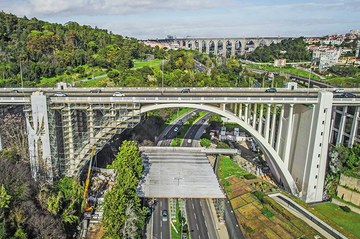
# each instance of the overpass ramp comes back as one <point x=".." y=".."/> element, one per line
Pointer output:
<point x="171" y="173"/>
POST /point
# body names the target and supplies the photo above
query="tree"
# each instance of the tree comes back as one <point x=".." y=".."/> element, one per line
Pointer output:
<point x="123" y="215"/>
<point x="4" y="200"/>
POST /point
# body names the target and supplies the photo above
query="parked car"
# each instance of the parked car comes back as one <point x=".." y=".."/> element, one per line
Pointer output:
<point x="189" y="141"/>
<point x="164" y="215"/>
<point x="185" y="91"/>
<point x="271" y="90"/>
<point x="60" y="94"/>
<point x="340" y="90"/>
<point x="118" y="94"/>
<point x="345" y="95"/>
<point x="95" y="91"/>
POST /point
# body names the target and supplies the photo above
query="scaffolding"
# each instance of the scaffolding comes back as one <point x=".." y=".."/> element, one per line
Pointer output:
<point x="76" y="128"/>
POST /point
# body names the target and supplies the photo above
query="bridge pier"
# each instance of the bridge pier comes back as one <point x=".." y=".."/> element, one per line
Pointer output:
<point x="354" y="127"/>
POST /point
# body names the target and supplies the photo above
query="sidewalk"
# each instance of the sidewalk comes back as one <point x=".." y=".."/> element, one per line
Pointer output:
<point x="220" y="228"/>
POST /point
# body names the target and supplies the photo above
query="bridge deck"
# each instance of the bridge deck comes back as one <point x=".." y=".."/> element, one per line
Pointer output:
<point x="178" y="175"/>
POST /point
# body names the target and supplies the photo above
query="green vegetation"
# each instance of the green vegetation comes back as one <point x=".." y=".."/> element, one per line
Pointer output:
<point x="229" y="168"/>
<point x="291" y="49"/>
<point x="25" y="211"/>
<point x="342" y="160"/>
<point x="267" y="213"/>
<point x="349" y="221"/>
<point x="141" y="63"/>
<point x="123" y="215"/>
<point x="176" y="142"/>
<point x="177" y="114"/>
<point x="49" y="49"/>
<point x="205" y="142"/>
<point x="180" y="220"/>
<point x="287" y="69"/>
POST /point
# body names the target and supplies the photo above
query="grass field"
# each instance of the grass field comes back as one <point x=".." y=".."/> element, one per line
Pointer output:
<point x="98" y="82"/>
<point x="139" y="64"/>
<point x="289" y="70"/>
<point x="349" y="221"/>
<point x="228" y="168"/>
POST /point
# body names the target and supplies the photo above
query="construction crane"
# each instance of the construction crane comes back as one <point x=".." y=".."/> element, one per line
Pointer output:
<point x="88" y="207"/>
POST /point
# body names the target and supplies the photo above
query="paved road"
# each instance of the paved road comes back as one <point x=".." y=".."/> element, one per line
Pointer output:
<point x="161" y="229"/>
<point x="198" y="213"/>
<point x="191" y="133"/>
<point x="171" y="133"/>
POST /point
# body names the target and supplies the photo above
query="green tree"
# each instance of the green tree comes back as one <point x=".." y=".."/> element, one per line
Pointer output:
<point x="4" y="200"/>
<point x="123" y="215"/>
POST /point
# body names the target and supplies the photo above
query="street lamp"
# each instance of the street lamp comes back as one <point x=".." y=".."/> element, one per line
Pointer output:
<point x="162" y="77"/>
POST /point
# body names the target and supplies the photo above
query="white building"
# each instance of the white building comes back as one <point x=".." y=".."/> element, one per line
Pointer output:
<point x="326" y="57"/>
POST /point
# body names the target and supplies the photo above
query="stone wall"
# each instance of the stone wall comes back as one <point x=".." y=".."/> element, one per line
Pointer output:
<point x="348" y="195"/>
<point x="350" y="182"/>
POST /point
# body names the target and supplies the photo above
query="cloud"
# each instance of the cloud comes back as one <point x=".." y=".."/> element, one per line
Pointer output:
<point x="101" y="7"/>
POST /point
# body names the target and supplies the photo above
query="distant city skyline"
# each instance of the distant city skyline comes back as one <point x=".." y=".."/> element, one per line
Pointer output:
<point x="148" y="19"/>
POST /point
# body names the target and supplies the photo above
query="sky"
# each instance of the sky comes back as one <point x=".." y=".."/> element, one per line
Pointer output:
<point x="150" y="19"/>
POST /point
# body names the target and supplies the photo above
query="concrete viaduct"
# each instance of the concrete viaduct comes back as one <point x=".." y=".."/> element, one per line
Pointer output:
<point x="219" y="46"/>
<point x="293" y="127"/>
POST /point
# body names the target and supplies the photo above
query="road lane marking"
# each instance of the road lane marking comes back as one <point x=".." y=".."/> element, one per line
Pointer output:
<point x="197" y="226"/>
<point x="193" y="206"/>
<point x="195" y="216"/>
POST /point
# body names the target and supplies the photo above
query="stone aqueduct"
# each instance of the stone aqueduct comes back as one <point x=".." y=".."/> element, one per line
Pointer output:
<point x="220" y="46"/>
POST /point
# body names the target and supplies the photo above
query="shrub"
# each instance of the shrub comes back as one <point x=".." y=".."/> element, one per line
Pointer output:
<point x="205" y="142"/>
<point x="259" y="195"/>
<point x="222" y="145"/>
<point x="250" y="176"/>
<point x="267" y="213"/>
<point x="345" y="208"/>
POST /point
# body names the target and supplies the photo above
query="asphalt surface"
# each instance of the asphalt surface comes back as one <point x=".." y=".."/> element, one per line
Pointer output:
<point x="199" y="227"/>
<point x="161" y="228"/>
<point x="171" y="133"/>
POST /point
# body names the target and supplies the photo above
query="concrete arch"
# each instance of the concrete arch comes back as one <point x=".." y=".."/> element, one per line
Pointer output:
<point x="285" y="175"/>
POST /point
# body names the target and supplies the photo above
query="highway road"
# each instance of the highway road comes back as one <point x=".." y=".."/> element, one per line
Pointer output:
<point x="161" y="229"/>
<point x="170" y="130"/>
<point x="198" y="214"/>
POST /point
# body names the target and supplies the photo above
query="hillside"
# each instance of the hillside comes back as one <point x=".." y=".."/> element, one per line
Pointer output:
<point x="49" y="49"/>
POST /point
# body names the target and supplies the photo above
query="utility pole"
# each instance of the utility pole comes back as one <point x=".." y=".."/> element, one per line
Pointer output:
<point x="162" y="77"/>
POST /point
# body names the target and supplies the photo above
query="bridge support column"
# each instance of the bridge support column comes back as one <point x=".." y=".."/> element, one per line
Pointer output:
<point x="240" y="111"/>
<point x="249" y="114"/>
<point x="288" y="136"/>
<point x="267" y="122"/>
<point x="254" y="117"/>
<point x="223" y="107"/>
<point x="91" y="125"/>
<point x="261" y="118"/>
<point x="279" y="131"/>
<point x="233" y="48"/>
<point x="39" y="137"/>
<point x="272" y="135"/>
<point x="246" y="113"/>
<point x="1" y="147"/>
<point x="200" y="45"/>
<point x="339" y="139"/>
<point x="354" y="127"/>
<point x="193" y="46"/>
<point x="216" y="47"/>
<point x="207" y="47"/>
<point x="235" y="108"/>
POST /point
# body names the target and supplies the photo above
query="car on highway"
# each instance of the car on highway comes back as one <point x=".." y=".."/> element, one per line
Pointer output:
<point x="185" y="91"/>
<point x="345" y="95"/>
<point x="271" y="90"/>
<point x="164" y="215"/>
<point x="60" y="94"/>
<point x="340" y="90"/>
<point x="14" y="91"/>
<point x="176" y="129"/>
<point x="118" y="94"/>
<point x="95" y="91"/>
